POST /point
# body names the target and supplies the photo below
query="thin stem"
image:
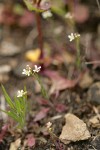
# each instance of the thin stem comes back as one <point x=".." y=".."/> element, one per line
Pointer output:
<point x="98" y="4"/>
<point x="40" y="37"/>
<point x="78" y="61"/>
<point x="92" y="62"/>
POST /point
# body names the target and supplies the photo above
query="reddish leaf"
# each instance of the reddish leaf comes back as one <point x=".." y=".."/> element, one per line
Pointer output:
<point x="27" y="19"/>
<point x="42" y="114"/>
<point x="3" y="132"/>
<point x="81" y="13"/>
<point x="60" y="108"/>
<point x="60" y="83"/>
<point x="43" y="101"/>
<point x="30" y="140"/>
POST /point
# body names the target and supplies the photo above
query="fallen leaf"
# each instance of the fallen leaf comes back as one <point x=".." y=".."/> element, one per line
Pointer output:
<point x="60" y="108"/>
<point x="42" y="114"/>
<point x="81" y="13"/>
<point x="27" y="19"/>
<point x="30" y="140"/>
<point x="59" y="82"/>
<point x="33" y="55"/>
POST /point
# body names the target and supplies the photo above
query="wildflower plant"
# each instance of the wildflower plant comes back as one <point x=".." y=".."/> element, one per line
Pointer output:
<point x="18" y="107"/>
<point x="76" y="37"/>
<point x="29" y="72"/>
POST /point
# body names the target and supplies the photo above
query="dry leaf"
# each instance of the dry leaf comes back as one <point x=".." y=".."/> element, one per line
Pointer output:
<point x="42" y="114"/>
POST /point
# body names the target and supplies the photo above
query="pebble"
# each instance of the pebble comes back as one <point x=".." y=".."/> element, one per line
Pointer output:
<point x="93" y="94"/>
<point x="86" y="81"/>
<point x="9" y="49"/>
<point x="19" y="68"/>
<point x="74" y="130"/>
<point x="5" y="69"/>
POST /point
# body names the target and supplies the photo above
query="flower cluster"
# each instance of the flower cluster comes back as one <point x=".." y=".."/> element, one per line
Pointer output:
<point x="68" y="16"/>
<point x="46" y="14"/>
<point x="73" y="36"/>
<point x="21" y="93"/>
<point x="28" y="70"/>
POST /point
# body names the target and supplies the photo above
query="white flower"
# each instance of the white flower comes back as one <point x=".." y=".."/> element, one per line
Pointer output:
<point x="21" y="93"/>
<point x="76" y="35"/>
<point x="48" y="125"/>
<point x="69" y="15"/>
<point x="27" y="71"/>
<point x="73" y="36"/>
<point x="37" y="69"/>
<point x="46" y="14"/>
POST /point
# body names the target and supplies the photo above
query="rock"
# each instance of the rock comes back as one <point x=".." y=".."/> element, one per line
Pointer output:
<point x="9" y="49"/>
<point x="19" y="68"/>
<point x="93" y="94"/>
<point x="5" y="69"/>
<point x="86" y="81"/>
<point x="4" y="78"/>
<point x="95" y="121"/>
<point x="74" y="130"/>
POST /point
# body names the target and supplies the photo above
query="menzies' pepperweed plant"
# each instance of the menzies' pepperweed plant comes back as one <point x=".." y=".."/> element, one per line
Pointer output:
<point x="18" y="107"/>
<point x="29" y="72"/>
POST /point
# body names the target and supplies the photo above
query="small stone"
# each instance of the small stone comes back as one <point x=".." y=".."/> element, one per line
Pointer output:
<point x="86" y="81"/>
<point x="93" y="94"/>
<point x="5" y="69"/>
<point x="95" y="121"/>
<point x="19" y="68"/>
<point x="4" y="78"/>
<point x="74" y="130"/>
<point x="9" y="49"/>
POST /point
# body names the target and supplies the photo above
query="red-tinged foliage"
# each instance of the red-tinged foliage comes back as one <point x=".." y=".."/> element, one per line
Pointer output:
<point x="43" y="102"/>
<point x="60" y="108"/>
<point x="83" y="16"/>
<point x="3" y="132"/>
<point x="59" y="82"/>
<point x="27" y="19"/>
<point x="42" y="114"/>
<point x="30" y="140"/>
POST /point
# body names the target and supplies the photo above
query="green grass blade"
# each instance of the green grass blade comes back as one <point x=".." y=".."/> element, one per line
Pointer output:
<point x="7" y="98"/>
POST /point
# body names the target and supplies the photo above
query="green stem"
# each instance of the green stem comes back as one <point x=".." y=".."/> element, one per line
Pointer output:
<point x="78" y="57"/>
<point x="43" y="90"/>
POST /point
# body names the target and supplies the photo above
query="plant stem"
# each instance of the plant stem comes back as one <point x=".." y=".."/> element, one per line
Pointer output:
<point x="78" y="59"/>
<point x="40" y="37"/>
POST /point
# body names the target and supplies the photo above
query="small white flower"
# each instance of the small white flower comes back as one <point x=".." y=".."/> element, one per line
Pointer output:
<point x="68" y="16"/>
<point x="76" y="35"/>
<point x="48" y="125"/>
<point x="21" y="93"/>
<point x="27" y="71"/>
<point x="73" y="36"/>
<point x="46" y="14"/>
<point x="37" y="69"/>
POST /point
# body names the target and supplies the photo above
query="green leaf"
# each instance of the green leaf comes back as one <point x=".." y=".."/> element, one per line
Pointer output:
<point x="8" y="99"/>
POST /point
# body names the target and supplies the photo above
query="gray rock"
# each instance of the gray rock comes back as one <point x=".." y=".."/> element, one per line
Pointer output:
<point x="9" y="49"/>
<point x="93" y="94"/>
<point x="5" y="69"/>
